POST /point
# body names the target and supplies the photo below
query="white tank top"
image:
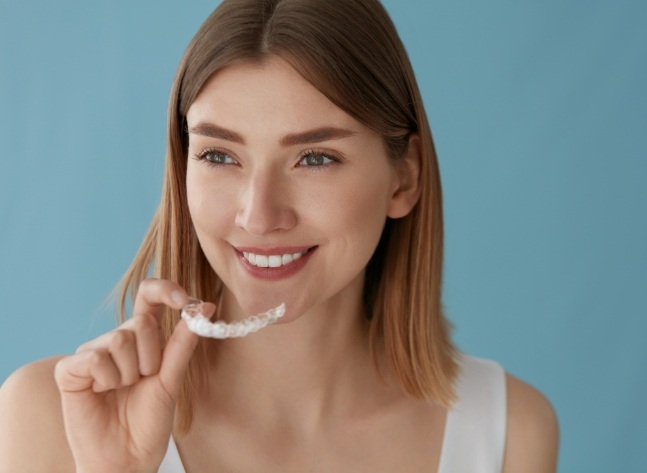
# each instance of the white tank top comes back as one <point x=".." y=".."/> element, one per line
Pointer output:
<point x="475" y="430"/>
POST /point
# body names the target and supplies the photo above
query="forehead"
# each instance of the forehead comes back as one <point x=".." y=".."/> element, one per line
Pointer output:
<point x="269" y="94"/>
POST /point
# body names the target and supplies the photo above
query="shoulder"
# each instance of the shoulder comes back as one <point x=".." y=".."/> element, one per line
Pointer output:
<point x="32" y="435"/>
<point x="532" y="430"/>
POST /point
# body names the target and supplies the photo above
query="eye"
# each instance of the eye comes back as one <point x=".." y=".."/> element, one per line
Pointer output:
<point x="216" y="157"/>
<point x="316" y="159"/>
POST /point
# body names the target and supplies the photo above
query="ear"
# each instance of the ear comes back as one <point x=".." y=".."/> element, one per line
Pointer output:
<point x="407" y="181"/>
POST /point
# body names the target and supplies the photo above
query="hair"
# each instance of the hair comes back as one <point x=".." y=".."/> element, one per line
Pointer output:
<point x="350" y="51"/>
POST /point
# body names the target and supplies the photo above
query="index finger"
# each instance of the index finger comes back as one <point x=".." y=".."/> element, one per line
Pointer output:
<point x="154" y="295"/>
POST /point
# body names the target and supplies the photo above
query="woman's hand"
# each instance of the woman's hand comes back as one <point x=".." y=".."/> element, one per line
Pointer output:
<point x="119" y="390"/>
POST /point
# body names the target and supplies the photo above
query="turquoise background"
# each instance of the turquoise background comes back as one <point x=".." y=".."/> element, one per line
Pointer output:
<point x="539" y="111"/>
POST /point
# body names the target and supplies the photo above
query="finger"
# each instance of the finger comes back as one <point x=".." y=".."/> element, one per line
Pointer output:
<point x="148" y="337"/>
<point x="123" y="351"/>
<point x="175" y="361"/>
<point x="154" y="295"/>
<point x="177" y="354"/>
<point x="208" y="309"/>
<point x="103" y="340"/>
<point x="149" y="344"/>
<point x="88" y="370"/>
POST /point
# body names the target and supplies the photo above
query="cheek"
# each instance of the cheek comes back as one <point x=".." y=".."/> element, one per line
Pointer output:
<point x="365" y="199"/>
<point x="367" y="217"/>
<point x="354" y="215"/>
<point x="209" y="202"/>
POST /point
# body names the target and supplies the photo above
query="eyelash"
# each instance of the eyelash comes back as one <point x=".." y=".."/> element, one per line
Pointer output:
<point x="203" y="156"/>
<point x="313" y="152"/>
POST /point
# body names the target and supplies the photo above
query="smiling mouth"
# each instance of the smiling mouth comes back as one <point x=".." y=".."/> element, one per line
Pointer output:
<point x="274" y="261"/>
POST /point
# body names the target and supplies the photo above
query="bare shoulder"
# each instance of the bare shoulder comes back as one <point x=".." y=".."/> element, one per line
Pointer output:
<point x="32" y="435"/>
<point x="533" y="433"/>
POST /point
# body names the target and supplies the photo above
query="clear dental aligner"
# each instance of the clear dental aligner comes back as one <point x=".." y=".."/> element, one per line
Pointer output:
<point x="199" y="324"/>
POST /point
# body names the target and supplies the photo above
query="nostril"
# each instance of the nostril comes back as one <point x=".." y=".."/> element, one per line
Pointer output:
<point x="259" y="221"/>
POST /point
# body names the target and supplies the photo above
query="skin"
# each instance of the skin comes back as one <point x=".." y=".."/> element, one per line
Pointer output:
<point x="309" y="399"/>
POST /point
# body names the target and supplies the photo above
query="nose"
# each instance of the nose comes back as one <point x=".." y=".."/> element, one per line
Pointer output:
<point x="265" y="205"/>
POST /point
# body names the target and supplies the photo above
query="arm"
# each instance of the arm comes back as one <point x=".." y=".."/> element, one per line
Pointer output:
<point x="533" y="434"/>
<point x="32" y="436"/>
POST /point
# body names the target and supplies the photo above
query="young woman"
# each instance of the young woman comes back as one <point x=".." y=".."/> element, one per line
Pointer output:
<point x="300" y="170"/>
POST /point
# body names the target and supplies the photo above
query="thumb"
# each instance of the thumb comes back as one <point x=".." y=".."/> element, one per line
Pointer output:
<point x="176" y="357"/>
<point x="177" y="354"/>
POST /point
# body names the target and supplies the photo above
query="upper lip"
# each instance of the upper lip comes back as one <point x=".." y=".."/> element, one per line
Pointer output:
<point x="276" y="250"/>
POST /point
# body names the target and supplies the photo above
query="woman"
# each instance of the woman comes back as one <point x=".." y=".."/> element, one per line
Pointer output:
<point x="300" y="170"/>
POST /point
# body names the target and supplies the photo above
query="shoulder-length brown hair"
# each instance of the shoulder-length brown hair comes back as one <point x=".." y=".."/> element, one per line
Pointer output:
<point x="350" y="51"/>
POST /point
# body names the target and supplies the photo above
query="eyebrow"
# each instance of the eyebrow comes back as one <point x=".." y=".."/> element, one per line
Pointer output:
<point x="213" y="131"/>
<point x="316" y="135"/>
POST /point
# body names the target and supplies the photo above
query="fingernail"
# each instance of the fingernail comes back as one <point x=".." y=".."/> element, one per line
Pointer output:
<point x="178" y="297"/>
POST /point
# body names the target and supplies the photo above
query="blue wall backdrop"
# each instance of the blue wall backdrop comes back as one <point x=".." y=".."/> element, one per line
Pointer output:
<point x="539" y="111"/>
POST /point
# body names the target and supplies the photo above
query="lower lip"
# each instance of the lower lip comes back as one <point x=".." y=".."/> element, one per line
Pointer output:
<point x="274" y="274"/>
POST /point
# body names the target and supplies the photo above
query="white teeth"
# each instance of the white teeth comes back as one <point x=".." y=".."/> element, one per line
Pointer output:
<point x="262" y="261"/>
<point x="272" y="261"/>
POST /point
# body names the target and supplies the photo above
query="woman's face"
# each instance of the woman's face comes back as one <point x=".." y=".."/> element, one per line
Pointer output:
<point x="288" y="193"/>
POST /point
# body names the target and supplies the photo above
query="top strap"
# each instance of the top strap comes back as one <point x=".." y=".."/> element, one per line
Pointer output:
<point x="475" y="431"/>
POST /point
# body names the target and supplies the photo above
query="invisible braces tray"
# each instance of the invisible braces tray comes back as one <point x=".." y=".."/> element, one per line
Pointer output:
<point x="199" y="324"/>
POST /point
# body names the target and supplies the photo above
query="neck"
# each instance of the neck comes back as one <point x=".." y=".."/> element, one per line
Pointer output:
<point x="316" y="367"/>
